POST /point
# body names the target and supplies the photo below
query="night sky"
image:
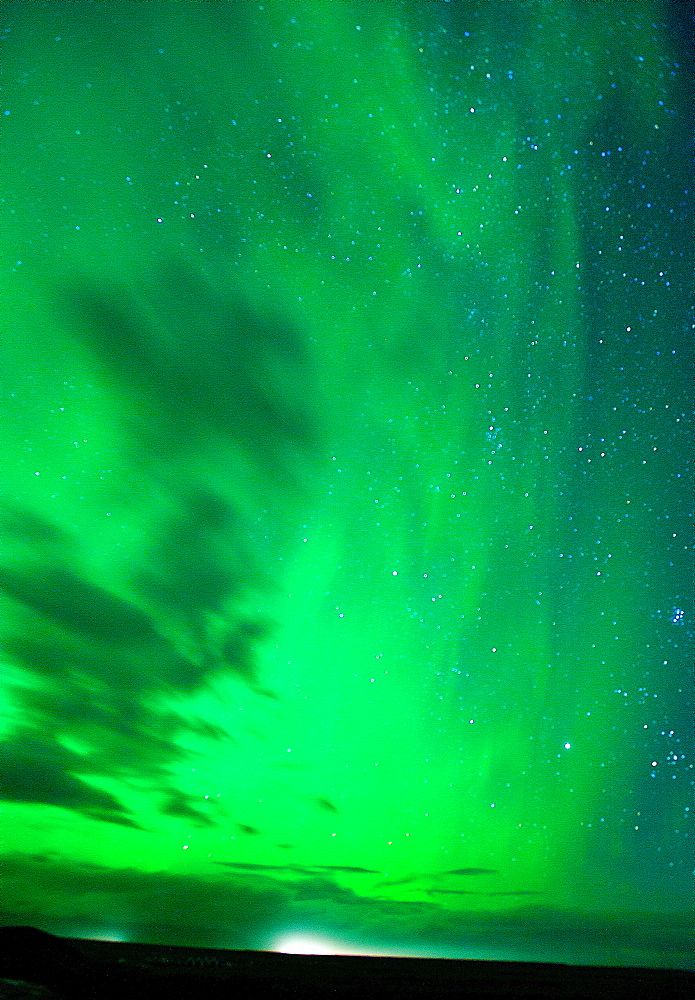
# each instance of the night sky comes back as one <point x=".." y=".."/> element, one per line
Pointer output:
<point x="345" y="560"/>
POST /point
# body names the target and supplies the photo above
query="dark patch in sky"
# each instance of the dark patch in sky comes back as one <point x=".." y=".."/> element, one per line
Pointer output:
<point x="248" y="866"/>
<point x="198" y="567"/>
<point x="481" y="892"/>
<point x="323" y="888"/>
<point x="191" y="365"/>
<point x="101" y="654"/>
<point x="35" y="770"/>
<point x="251" y="830"/>
<point x="238" y="649"/>
<point x="181" y="805"/>
<point x="301" y="869"/>
<point x="110" y="636"/>
<point x="209" y="366"/>
<point x="73" y="603"/>
<point x="346" y="868"/>
<point x="517" y="892"/>
<point x="327" y="805"/>
<point x="201" y="727"/>
<point x="118" y="819"/>
<point x="266" y="693"/>
<point x="157" y="907"/>
<point x="166" y="908"/>
<point x="19" y="524"/>
<point x="437" y="875"/>
<point x="472" y="871"/>
<point x="401" y="881"/>
<point x="96" y="694"/>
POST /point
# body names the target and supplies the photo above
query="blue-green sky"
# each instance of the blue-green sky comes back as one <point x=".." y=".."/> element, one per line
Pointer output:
<point x="345" y="575"/>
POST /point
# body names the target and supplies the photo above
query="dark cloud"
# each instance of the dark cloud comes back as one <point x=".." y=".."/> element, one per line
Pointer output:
<point x="154" y="908"/>
<point x="517" y="892"/>
<point x="101" y="655"/>
<point x="433" y="876"/>
<point x="108" y="816"/>
<point x="482" y="892"/>
<point x="94" y="631"/>
<point x="92" y="698"/>
<point x="50" y="655"/>
<point x="98" y="657"/>
<point x="247" y="866"/>
<point x="182" y="806"/>
<point x="252" y="831"/>
<point x="201" y="727"/>
<point x="32" y="770"/>
<point x="96" y="695"/>
<point x="19" y="524"/>
<point x="250" y="910"/>
<point x="325" y="889"/>
<point x="238" y="649"/>
<point x="327" y="805"/>
<point x="191" y="368"/>
<point x="195" y="567"/>
<point x="347" y="868"/>
<point x="72" y="603"/>
<point x="197" y="363"/>
<point x="472" y="871"/>
<point x="401" y="881"/>
<point x="303" y="869"/>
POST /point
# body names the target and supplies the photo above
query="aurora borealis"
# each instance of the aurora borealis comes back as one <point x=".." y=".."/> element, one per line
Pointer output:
<point x="345" y="574"/>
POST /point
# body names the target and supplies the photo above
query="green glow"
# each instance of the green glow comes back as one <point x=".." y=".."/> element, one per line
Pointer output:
<point x="343" y="520"/>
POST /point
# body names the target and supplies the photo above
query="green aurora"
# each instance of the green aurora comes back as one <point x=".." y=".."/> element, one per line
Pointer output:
<point x="345" y="583"/>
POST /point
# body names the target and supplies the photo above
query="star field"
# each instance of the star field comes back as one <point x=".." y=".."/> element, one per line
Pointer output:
<point x="345" y="565"/>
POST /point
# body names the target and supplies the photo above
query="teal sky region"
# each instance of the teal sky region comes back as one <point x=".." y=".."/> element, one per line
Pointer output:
<point x="345" y="567"/>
